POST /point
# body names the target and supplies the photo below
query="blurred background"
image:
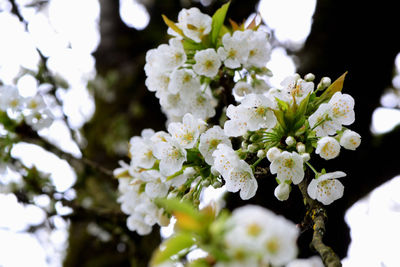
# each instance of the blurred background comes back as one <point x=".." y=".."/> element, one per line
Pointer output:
<point x="57" y="196"/>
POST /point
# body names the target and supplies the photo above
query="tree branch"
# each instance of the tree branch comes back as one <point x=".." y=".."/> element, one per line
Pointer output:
<point x="26" y="134"/>
<point x="316" y="217"/>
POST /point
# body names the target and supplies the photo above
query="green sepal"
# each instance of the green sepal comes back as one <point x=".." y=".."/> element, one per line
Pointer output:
<point x="190" y="45"/>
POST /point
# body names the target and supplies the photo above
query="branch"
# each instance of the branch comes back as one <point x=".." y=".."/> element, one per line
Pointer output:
<point x="26" y="134"/>
<point x="316" y="216"/>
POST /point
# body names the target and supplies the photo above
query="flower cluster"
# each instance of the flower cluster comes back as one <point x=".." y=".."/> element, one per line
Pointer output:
<point x="261" y="236"/>
<point x="287" y="124"/>
<point x="250" y="236"/>
<point x="34" y="109"/>
<point x="282" y="125"/>
<point x="185" y="73"/>
<point x="173" y="163"/>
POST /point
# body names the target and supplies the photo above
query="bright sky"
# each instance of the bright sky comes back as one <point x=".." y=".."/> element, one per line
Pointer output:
<point x="69" y="43"/>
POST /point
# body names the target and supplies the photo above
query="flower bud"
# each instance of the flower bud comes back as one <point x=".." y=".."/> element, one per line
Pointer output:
<point x="261" y="153"/>
<point x="290" y="141"/>
<point x="305" y="156"/>
<point x="301" y="148"/>
<point x="217" y="184"/>
<point x="189" y="172"/>
<point x="326" y="81"/>
<point x="245" y="145"/>
<point x="273" y="153"/>
<point x="282" y="191"/>
<point x="252" y="148"/>
<point x="350" y="140"/>
<point x="309" y="77"/>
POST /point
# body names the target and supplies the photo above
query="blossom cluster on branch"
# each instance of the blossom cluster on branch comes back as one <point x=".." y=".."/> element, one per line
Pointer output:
<point x="207" y="65"/>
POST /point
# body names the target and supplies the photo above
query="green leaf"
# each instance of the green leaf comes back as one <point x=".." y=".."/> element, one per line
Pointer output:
<point x="280" y="118"/>
<point x="175" y="205"/>
<point x="172" y="25"/>
<point x="336" y="86"/>
<point x="171" y="247"/>
<point x="199" y="263"/>
<point x="188" y="218"/>
<point x="217" y="22"/>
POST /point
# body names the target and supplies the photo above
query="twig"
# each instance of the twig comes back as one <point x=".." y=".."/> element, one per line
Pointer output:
<point x="316" y="216"/>
<point x="26" y="134"/>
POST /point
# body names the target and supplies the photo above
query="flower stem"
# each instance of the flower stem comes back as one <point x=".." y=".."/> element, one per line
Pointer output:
<point x="312" y="168"/>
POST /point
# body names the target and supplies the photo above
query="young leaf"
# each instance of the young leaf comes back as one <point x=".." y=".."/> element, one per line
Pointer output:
<point x="234" y="25"/>
<point x="171" y="247"/>
<point x="175" y="205"/>
<point x="336" y="86"/>
<point x="217" y="22"/>
<point x="172" y="25"/>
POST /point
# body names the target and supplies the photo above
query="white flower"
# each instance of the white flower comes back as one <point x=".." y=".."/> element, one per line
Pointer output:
<point x="11" y="101"/>
<point x="242" y="88"/>
<point x="40" y="120"/>
<point x="342" y="108"/>
<point x="280" y="242"/>
<point x="350" y="140"/>
<point x="202" y="104"/>
<point x="209" y="142"/>
<point x="246" y="231"/>
<point x="35" y="104"/>
<point x="323" y="122"/>
<point x="207" y="62"/>
<point x="288" y="166"/>
<point x="234" y="50"/>
<point x="328" y="147"/>
<point x="194" y="24"/>
<point x="158" y="82"/>
<point x="241" y="177"/>
<point x="186" y="133"/>
<point x="273" y="153"/>
<point x="329" y="117"/>
<point x="165" y="57"/>
<point x="171" y="156"/>
<point x="255" y="232"/>
<point x="141" y="150"/>
<point x="259" y="49"/>
<point x="135" y="222"/>
<point x="282" y="191"/>
<point x="261" y="115"/>
<point x="252" y="114"/>
<point x="183" y="80"/>
<point x="159" y="137"/>
<point x="173" y="105"/>
<point x="237" y="125"/>
<point x="297" y="87"/>
<point x="326" y="188"/>
<point x="225" y="159"/>
<point x="156" y="185"/>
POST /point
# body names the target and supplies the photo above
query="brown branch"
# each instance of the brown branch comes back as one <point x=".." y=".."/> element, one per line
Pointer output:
<point x="316" y="217"/>
<point x="26" y="134"/>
